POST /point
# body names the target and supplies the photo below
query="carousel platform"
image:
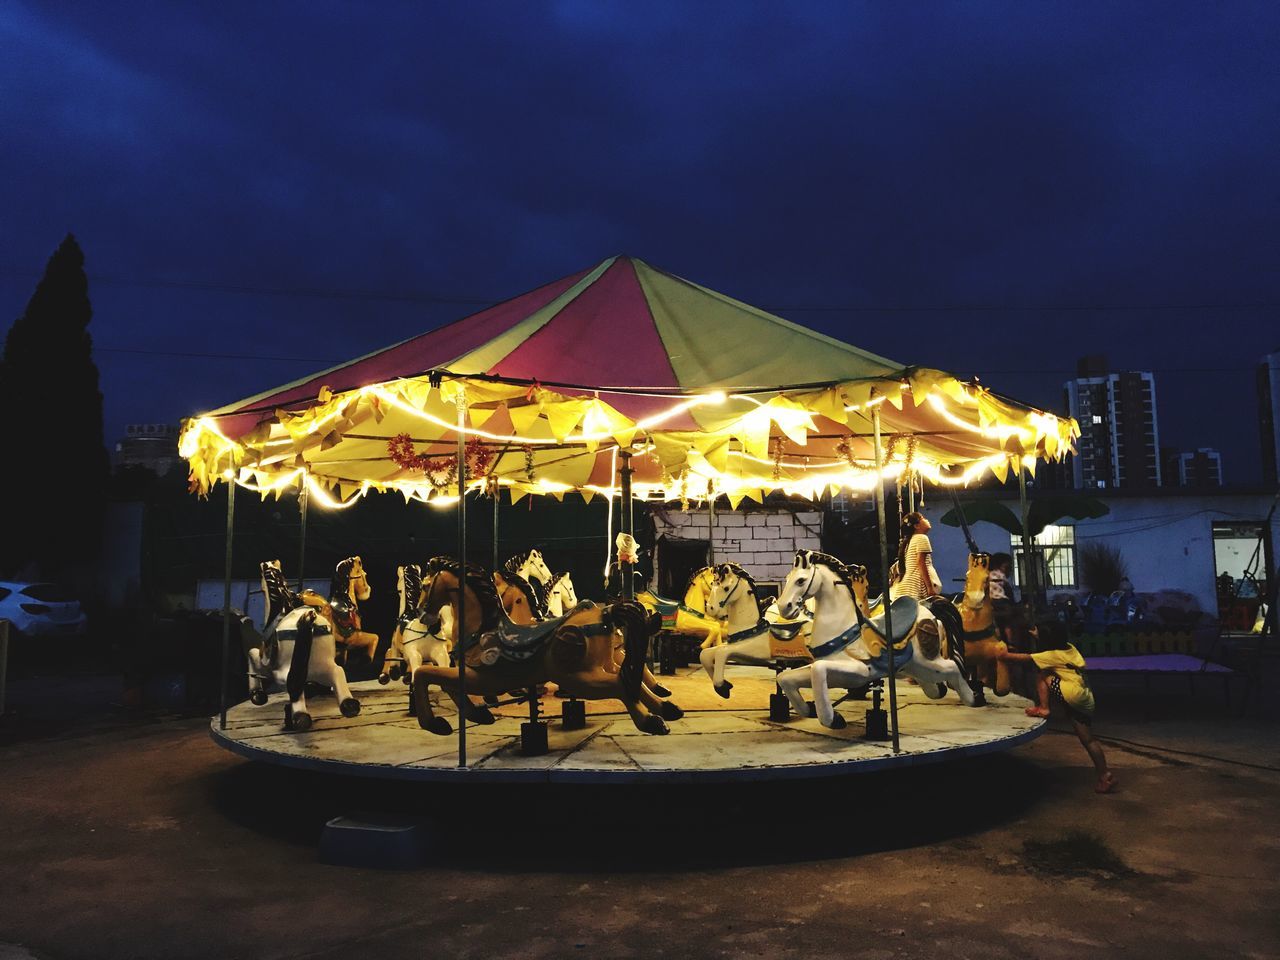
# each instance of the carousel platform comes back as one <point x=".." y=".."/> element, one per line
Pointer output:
<point x="716" y="741"/>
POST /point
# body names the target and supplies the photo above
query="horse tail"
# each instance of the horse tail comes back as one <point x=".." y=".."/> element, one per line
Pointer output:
<point x="947" y="614"/>
<point x="301" y="660"/>
<point x="631" y="619"/>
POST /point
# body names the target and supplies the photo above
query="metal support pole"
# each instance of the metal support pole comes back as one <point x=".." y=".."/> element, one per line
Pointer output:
<point x="884" y="573"/>
<point x="226" y="601"/>
<point x="4" y="661"/>
<point x="625" y="519"/>
<point x="304" y="499"/>
<point x="1031" y="568"/>
<point x="460" y="650"/>
<point x="497" y="493"/>
<point x="711" y="527"/>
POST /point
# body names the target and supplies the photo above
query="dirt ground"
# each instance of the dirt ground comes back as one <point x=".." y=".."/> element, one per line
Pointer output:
<point x="134" y="836"/>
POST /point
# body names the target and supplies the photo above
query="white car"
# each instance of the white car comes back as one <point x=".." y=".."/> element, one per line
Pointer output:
<point x="41" y="610"/>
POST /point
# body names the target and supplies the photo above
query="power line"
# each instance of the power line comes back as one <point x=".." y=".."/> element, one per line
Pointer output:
<point x="192" y="354"/>
<point x="202" y="355"/>
<point x="214" y="286"/>
<point x="411" y="296"/>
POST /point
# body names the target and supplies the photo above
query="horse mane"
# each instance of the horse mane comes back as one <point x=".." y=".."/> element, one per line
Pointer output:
<point x="693" y="577"/>
<point x="278" y="595"/>
<point x="340" y="585"/>
<point x="537" y="604"/>
<point x="827" y="560"/>
<point x="481" y="584"/>
<point x="740" y="571"/>
<point x="516" y="562"/>
<point x="555" y="580"/>
<point x="837" y="566"/>
<point x="412" y="587"/>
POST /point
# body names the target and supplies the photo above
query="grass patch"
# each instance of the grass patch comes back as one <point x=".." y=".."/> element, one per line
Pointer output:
<point x="1075" y="852"/>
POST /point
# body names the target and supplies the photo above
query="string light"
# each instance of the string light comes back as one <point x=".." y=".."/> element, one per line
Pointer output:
<point x="203" y="436"/>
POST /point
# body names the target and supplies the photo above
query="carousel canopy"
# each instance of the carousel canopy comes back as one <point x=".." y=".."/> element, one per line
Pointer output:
<point x="709" y="394"/>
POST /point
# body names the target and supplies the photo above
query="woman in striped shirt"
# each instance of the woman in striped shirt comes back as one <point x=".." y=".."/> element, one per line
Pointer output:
<point x="916" y="576"/>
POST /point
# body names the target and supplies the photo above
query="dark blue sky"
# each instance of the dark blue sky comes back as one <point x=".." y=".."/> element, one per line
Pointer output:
<point x="313" y="180"/>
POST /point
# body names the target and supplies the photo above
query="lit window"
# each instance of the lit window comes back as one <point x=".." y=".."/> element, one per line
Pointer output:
<point x="1058" y="546"/>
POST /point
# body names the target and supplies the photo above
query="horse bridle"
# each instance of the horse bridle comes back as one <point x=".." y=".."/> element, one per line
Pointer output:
<point x="732" y="590"/>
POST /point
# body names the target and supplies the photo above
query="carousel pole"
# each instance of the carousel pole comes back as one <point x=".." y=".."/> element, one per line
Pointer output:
<point x="460" y="649"/>
<point x="884" y="573"/>
<point x="711" y="525"/>
<point x="497" y="492"/>
<point x="304" y="500"/>
<point x="226" y="599"/>
<point x="625" y="521"/>
<point x="1030" y="578"/>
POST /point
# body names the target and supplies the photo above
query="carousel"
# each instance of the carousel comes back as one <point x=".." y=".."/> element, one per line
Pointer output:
<point x="626" y="383"/>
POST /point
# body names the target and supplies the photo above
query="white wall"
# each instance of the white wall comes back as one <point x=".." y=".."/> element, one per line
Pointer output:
<point x="765" y="543"/>
<point x="1166" y="541"/>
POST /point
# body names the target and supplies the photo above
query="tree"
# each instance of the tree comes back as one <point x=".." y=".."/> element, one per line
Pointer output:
<point x="54" y="483"/>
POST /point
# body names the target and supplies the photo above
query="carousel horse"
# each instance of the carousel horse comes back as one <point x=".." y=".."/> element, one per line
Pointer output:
<point x="851" y="651"/>
<point x="350" y="585"/>
<point x="574" y="651"/>
<point x="561" y="596"/>
<point x="520" y="599"/>
<point x="557" y="597"/>
<point x="752" y="639"/>
<point x="417" y="638"/>
<point x="533" y="568"/>
<point x="297" y="648"/>
<point x="982" y="643"/>
<point x="688" y="617"/>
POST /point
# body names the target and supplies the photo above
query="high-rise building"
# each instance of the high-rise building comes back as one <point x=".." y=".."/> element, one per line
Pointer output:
<point x="1201" y="468"/>
<point x="1119" y="440"/>
<point x="1269" y="416"/>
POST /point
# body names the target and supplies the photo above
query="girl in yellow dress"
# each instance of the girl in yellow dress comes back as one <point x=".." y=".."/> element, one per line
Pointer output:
<point x="1062" y="681"/>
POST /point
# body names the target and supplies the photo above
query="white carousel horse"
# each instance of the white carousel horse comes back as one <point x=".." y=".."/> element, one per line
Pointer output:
<point x="297" y="648"/>
<point x="418" y="637"/>
<point x="561" y="597"/>
<point x="750" y="638"/>
<point x="851" y="651"/>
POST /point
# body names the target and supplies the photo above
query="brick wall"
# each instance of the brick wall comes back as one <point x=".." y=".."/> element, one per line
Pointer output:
<point x="764" y="543"/>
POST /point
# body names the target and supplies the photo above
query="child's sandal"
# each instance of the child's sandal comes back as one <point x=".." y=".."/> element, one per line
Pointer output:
<point x="1106" y="783"/>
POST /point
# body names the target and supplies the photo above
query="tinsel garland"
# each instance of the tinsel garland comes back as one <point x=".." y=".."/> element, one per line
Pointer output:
<point x="440" y="472"/>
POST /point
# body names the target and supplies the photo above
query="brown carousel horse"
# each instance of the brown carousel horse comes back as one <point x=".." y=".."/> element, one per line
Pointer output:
<point x="350" y="585"/>
<point x="519" y="599"/>
<point x="574" y="651"/>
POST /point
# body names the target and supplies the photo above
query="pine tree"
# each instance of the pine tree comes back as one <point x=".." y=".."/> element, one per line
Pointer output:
<point x="54" y="478"/>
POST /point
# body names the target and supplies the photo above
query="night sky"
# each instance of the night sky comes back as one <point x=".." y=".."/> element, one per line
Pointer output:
<point x="990" y="188"/>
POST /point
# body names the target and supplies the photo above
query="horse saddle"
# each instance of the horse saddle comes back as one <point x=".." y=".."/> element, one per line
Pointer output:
<point x="346" y="619"/>
<point x="785" y="642"/>
<point x="786" y="630"/>
<point x="419" y="615"/>
<point x="905" y="612"/>
<point x="518" y="642"/>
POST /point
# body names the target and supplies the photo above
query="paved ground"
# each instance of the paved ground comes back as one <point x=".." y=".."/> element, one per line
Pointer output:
<point x="137" y="837"/>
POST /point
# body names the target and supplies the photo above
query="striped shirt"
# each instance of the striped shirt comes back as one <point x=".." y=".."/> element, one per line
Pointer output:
<point x="914" y="582"/>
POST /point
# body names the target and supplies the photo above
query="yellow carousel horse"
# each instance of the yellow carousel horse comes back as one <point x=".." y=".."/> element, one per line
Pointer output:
<point x="982" y="643"/>
<point x="689" y="616"/>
